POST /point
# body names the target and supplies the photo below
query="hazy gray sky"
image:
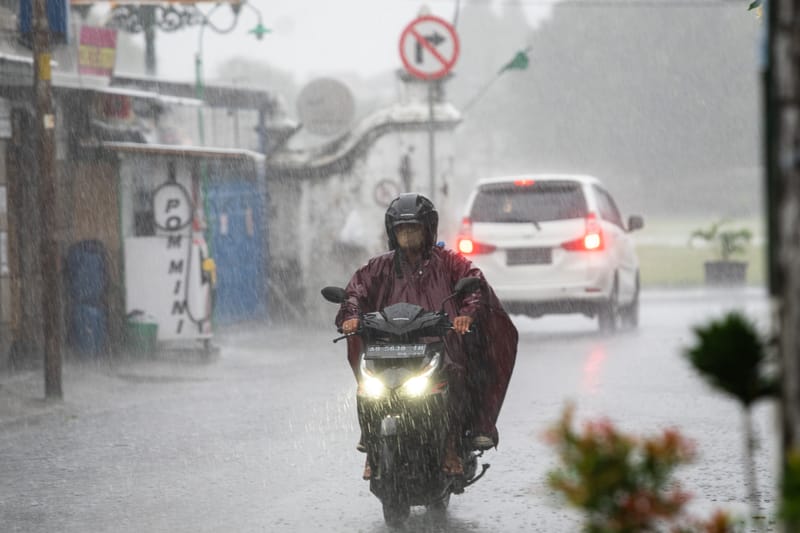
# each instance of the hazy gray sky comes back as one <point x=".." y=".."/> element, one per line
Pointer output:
<point x="310" y="37"/>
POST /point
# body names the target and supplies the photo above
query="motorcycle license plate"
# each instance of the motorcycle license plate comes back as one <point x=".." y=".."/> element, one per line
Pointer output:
<point x="395" y="351"/>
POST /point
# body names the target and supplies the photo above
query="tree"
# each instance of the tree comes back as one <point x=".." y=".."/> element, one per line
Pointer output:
<point x="657" y="100"/>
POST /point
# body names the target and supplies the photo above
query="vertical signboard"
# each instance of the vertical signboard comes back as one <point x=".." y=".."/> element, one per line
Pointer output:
<point x="164" y="277"/>
<point x="97" y="51"/>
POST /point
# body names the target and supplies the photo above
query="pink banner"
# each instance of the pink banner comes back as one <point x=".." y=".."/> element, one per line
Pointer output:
<point x="97" y="51"/>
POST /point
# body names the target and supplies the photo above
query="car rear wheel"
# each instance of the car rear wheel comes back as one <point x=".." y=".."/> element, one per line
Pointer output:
<point x="630" y="313"/>
<point x="608" y="314"/>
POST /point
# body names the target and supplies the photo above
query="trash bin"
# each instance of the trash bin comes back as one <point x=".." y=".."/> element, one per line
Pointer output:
<point x="141" y="333"/>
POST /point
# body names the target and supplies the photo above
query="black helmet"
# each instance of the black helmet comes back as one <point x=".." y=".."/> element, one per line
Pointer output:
<point x="410" y="208"/>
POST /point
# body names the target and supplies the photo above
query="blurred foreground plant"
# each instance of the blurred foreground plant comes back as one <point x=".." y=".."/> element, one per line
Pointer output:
<point x="790" y="504"/>
<point x="732" y="356"/>
<point x="624" y="484"/>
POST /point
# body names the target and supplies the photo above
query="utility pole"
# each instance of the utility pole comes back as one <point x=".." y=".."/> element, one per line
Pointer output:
<point x="782" y="162"/>
<point x="45" y="147"/>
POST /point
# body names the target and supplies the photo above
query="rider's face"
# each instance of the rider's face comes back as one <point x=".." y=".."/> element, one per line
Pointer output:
<point x="410" y="236"/>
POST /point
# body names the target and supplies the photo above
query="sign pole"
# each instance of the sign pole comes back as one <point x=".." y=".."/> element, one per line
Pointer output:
<point x="45" y="149"/>
<point x="431" y="141"/>
<point x="429" y="48"/>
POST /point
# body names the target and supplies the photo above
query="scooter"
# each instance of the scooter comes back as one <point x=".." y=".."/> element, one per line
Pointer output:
<point x="402" y="405"/>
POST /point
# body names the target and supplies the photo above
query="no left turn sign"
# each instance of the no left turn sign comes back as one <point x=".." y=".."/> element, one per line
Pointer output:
<point x="429" y="47"/>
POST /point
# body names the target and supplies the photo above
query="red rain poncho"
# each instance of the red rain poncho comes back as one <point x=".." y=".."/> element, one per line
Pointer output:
<point x="485" y="359"/>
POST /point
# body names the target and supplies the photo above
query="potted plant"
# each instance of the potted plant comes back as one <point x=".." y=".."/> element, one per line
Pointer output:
<point x="729" y="242"/>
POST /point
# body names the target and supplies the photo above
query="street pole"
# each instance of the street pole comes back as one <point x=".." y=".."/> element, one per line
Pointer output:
<point x="149" y="25"/>
<point x="45" y="146"/>
<point x="431" y="141"/>
<point x="199" y="89"/>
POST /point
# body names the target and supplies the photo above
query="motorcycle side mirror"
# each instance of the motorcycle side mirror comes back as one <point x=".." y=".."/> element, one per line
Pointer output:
<point x="334" y="294"/>
<point x="467" y="285"/>
<point x="463" y="286"/>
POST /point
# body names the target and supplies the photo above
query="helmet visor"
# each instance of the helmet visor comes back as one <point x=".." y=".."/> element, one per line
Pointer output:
<point x="409" y="221"/>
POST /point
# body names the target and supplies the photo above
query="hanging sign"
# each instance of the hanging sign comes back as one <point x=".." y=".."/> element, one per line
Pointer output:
<point x="429" y="47"/>
<point x="97" y="51"/>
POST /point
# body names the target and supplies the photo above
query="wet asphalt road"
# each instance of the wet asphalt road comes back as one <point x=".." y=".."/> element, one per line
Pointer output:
<point x="262" y="439"/>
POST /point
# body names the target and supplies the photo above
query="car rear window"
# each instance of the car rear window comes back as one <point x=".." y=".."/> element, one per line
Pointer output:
<point x="542" y="201"/>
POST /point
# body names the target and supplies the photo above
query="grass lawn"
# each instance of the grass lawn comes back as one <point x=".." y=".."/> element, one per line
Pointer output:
<point x="667" y="260"/>
<point x="670" y="266"/>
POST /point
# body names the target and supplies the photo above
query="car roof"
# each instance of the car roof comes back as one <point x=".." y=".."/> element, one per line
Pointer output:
<point x="580" y="178"/>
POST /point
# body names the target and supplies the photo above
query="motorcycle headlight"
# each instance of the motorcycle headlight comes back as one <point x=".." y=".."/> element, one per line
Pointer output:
<point x="417" y="385"/>
<point x="372" y="386"/>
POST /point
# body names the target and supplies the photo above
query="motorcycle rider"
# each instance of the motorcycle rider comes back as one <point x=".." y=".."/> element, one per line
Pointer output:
<point x="417" y="271"/>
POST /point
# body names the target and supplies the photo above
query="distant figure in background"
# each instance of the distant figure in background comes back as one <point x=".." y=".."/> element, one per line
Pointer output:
<point x="405" y="170"/>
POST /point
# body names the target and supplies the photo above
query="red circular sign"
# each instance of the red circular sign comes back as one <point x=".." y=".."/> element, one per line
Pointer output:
<point x="429" y="47"/>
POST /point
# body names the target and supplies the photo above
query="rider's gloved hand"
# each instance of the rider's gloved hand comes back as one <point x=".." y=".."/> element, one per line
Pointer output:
<point x="349" y="326"/>
<point x="462" y="323"/>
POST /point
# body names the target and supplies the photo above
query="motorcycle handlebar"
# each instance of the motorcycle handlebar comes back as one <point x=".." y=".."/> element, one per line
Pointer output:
<point x="337" y="339"/>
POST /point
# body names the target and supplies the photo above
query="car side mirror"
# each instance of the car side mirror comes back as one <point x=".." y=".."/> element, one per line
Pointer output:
<point x="334" y="294"/>
<point x="635" y="222"/>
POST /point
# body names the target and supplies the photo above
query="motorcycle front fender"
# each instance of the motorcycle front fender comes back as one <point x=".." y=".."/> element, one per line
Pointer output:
<point x="389" y="426"/>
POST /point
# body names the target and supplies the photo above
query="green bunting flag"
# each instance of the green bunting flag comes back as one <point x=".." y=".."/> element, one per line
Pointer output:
<point x="259" y="31"/>
<point x="520" y="62"/>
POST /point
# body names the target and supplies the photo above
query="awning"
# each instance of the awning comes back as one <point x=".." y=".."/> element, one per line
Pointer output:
<point x="180" y="150"/>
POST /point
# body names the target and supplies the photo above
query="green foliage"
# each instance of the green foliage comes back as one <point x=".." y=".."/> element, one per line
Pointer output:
<point x="730" y="242"/>
<point x="624" y="484"/>
<point x="790" y="504"/>
<point x="731" y="355"/>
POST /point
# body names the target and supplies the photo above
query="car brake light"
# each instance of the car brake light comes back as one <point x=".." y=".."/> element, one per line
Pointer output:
<point x="524" y="182"/>
<point x="469" y="247"/>
<point x="592" y="239"/>
<point x="464" y="243"/>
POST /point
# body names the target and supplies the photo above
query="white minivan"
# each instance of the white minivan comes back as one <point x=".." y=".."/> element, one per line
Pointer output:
<point x="554" y="243"/>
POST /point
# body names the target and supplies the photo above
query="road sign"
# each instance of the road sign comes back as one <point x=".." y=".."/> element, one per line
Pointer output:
<point x="385" y="191"/>
<point x="429" y="47"/>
